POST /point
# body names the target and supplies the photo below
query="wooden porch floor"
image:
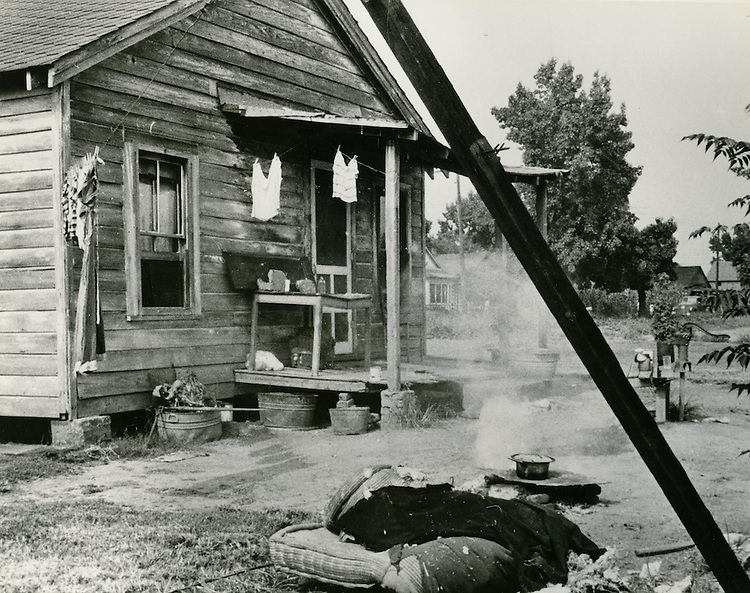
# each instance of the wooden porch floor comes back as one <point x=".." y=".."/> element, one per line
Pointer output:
<point x="348" y="378"/>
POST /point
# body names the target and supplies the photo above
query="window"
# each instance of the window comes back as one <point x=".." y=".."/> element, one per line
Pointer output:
<point x="161" y="233"/>
<point x="439" y="294"/>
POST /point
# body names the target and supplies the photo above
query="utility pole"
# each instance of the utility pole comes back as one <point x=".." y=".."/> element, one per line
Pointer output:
<point x="461" y="257"/>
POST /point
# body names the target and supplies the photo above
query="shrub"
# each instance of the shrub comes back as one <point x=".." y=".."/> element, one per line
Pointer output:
<point x="610" y="304"/>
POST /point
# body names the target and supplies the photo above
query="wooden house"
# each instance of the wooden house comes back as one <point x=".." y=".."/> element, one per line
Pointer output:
<point x="181" y="100"/>
<point x="441" y="285"/>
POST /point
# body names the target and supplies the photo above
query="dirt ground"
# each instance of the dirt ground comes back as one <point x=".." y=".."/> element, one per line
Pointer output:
<point x="257" y="468"/>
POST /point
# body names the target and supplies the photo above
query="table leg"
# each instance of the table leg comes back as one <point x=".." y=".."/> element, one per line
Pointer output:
<point x="317" y="327"/>
<point x="253" y="333"/>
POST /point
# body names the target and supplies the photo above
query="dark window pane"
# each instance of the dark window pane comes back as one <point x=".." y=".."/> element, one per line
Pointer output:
<point x="330" y="222"/>
<point x="162" y="283"/>
<point x="341" y="327"/>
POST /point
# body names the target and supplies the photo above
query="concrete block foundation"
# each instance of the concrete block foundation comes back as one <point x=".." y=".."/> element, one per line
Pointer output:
<point x="76" y="433"/>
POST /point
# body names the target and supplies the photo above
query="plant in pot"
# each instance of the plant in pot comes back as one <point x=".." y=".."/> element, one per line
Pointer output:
<point x="666" y="323"/>
<point x="184" y="413"/>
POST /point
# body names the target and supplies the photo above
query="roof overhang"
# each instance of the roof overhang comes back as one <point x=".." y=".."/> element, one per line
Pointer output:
<point x="108" y="45"/>
<point x="252" y="106"/>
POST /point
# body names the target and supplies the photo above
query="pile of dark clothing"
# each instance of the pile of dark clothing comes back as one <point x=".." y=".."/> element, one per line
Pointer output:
<point x="524" y="546"/>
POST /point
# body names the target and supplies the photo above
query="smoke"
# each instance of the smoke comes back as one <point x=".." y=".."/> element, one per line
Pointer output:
<point x="525" y="419"/>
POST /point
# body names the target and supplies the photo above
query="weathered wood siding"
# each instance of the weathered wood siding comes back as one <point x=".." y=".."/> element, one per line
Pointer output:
<point x="30" y="384"/>
<point x="164" y="89"/>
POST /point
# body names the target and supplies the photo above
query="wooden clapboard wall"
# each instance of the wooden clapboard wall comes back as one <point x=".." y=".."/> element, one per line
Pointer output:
<point x="30" y="306"/>
<point x="165" y="89"/>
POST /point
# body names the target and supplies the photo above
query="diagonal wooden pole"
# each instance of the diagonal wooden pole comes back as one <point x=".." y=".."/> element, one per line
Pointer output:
<point x="478" y="159"/>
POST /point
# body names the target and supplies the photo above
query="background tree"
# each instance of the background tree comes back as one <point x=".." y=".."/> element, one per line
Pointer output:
<point x="558" y="124"/>
<point x="735" y="248"/>
<point x="478" y="226"/>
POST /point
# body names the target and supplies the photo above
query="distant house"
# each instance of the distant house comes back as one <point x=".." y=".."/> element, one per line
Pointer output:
<point x="728" y="277"/>
<point x="691" y="278"/>
<point x="441" y="286"/>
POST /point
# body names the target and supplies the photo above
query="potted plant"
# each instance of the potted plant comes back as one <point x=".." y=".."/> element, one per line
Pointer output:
<point x="184" y="413"/>
<point x="666" y="323"/>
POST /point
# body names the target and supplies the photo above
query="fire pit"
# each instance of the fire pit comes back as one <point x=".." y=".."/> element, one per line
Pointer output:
<point x="532" y="466"/>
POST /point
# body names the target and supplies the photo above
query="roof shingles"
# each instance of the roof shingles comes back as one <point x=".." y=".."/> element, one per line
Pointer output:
<point x="34" y="33"/>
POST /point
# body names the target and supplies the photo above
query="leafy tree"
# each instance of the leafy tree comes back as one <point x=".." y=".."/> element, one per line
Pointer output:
<point x="478" y="226"/>
<point x="735" y="247"/>
<point x="560" y="125"/>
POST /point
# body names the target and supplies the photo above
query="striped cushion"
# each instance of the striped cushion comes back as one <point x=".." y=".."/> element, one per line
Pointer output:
<point x="311" y="551"/>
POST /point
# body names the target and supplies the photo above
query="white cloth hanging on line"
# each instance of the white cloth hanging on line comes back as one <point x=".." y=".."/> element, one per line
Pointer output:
<point x="266" y="190"/>
<point x="345" y="178"/>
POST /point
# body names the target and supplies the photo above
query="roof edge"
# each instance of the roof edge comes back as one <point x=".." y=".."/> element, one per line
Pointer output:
<point x="106" y="46"/>
<point x="357" y="37"/>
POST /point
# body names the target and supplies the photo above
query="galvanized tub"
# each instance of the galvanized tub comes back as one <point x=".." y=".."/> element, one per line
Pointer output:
<point x="189" y="426"/>
<point x="295" y="411"/>
<point x="351" y="420"/>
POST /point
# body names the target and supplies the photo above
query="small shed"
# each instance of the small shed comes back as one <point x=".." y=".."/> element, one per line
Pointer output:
<point x="723" y="276"/>
<point x="208" y="129"/>
<point x="691" y="279"/>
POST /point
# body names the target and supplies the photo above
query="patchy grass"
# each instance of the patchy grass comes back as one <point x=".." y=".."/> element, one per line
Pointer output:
<point x="47" y="462"/>
<point x="98" y="547"/>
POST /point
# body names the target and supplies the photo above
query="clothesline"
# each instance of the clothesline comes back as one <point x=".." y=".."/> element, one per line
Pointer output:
<point x="348" y="156"/>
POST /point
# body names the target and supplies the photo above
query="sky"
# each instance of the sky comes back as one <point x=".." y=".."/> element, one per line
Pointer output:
<point x="679" y="67"/>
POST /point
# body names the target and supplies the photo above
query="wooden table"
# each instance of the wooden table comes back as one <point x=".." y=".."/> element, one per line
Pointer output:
<point x="318" y="302"/>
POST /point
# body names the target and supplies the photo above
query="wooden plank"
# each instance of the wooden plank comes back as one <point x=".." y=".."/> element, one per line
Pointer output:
<point x="12" y="104"/>
<point x="29" y="407"/>
<point x="26" y="321"/>
<point x="28" y="180"/>
<point x="113" y="404"/>
<point x="39" y="220"/>
<point x="301" y="379"/>
<point x="172" y="338"/>
<point x="26" y="238"/>
<point x="126" y="103"/>
<point x="393" y="284"/>
<point x="28" y="364"/>
<point x="28" y="343"/>
<point x="25" y="122"/>
<point x="32" y="199"/>
<point x="292" y="86"/>
<point x="477" y="157"/>
<point x="155" y="90"/>
<point x="28" y="299"/>
<point x="257" y="231"/>
<point x="27" y="278"/>
<point x="29" y="161"/>
<point x="25" y="142"/>
<point x="164" y="358"/>
<point x="27" y="258"/>
<point x="321" y="47"/>
<point x="24" y="385"/>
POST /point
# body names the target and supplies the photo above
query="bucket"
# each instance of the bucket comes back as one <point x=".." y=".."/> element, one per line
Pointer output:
<point x="227" y="414"/>
<point x="351" y="420"/>
<point x="541" y="364"/>
<point x="287" y="410"/>
<point x="189" y="426"/>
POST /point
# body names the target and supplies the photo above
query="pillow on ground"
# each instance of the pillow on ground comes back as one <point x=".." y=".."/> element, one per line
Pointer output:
<point x="452" y="565"/>
<point x="310" y="550"/>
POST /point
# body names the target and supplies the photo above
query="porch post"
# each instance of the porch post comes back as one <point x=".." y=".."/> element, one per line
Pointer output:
<point x="392" y="278"/>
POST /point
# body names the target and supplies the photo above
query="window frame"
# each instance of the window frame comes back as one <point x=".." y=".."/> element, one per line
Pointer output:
<point x="133" y="152"/>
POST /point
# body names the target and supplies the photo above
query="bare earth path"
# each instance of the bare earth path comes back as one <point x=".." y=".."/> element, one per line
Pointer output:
<point x="257" y="468"/>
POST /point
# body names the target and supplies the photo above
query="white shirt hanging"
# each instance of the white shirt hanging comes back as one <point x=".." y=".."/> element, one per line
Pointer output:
<point x="345" y="178"/>
<point x="266" y="190"/>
